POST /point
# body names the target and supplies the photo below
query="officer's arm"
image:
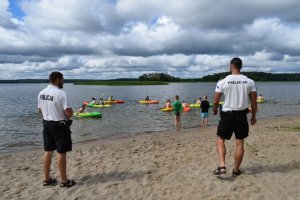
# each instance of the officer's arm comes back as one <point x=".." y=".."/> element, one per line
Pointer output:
<point x="253" y="97"/>
<point x="217" y="99"/>
<point x="69" y="112"/>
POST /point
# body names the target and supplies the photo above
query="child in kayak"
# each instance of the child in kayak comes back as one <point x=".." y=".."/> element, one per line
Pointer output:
<point x="199" y="101"/>
<point x="93" y="101"/>
<point x="184" y="104"/>
<point x="101" y="102"/>
<point x="168" y="104"/>
<point x="81" y="110"/>
<point x="177" y="109"/>
<point x="111" y="98"/>
<point x="147" y="98"/>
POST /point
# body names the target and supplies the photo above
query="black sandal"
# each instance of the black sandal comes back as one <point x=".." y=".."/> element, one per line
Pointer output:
<point x="220" y="170"/>
<point x="237" y="173"/>
<point x="69" y="183"/>
<point x="51" y="181"/>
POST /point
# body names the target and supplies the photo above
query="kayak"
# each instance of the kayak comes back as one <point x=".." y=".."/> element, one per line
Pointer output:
<point x="89" y="114"/>
<point x="195" y="105"/>
<point x="186" y="109"/>
<point x="149" y="102"/>
<point x="114" y="101"/>
<point x="260" y="100"/>
<point x="96" y="105"/>
<point x="167" y="109"/>
<point x="199" y="105"/>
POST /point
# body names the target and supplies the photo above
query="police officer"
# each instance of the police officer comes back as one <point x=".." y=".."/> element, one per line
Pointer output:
<point x="53" y="104"/>
<point x="239" y="91"/>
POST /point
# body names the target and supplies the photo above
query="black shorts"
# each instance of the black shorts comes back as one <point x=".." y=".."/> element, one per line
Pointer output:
<point x="56" y="137"/>
<point x="177" y="113"/>
<point x="233" y="122"/>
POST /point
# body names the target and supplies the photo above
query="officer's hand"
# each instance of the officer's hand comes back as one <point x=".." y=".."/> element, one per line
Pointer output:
<point x="253" y="120"/>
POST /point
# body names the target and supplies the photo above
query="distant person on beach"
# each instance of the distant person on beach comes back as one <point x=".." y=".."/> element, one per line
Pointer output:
<point x="177" y="109"/>
<point x="238" y="90"/>
<point x="168" y="104"/>
<point x="204" y="111"/>
<point x="53" y="104"/>
<point x="199" y="101"/>
<point x="147" y="98"/>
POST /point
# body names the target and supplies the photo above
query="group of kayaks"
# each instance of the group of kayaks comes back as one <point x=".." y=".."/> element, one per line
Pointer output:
<point x="108" y="104"/>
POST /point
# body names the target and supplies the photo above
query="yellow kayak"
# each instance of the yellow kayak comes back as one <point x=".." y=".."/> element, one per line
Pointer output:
<point x="167" y="109"/>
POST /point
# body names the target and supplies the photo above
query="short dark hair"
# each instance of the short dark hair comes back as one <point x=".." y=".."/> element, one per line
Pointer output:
<point x="237" y="62"/>
<point x="55" y="75"/>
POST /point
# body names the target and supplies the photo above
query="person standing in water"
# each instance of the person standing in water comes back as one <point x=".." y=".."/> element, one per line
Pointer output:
<point x="238" y="91"/>
<point x="204" y="112"/>
<point x="53" y="104"/>
<point x="177" y="109"/>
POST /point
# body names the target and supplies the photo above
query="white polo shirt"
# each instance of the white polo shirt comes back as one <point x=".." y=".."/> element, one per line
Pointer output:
<point x="53" y="103"/>
<point x="236" y="89"/>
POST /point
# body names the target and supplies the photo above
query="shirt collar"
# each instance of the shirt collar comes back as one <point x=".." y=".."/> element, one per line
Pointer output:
<point x="53" y="86"/>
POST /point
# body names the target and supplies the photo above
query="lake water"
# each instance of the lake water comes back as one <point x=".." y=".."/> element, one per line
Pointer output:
<point x="21" y="126"/>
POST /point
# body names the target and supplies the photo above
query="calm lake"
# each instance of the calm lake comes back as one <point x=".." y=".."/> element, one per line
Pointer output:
<point x="21" y="126"/>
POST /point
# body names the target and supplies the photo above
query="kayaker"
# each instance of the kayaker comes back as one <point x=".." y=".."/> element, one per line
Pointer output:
<point x="204" y="111"/>
<point x="81" y="109"/>
<point x="147" y="98"/>
<point x="260" y="98"/>
<point x="111" y="98"/>
<point x="101" y="102"/>
<point x="93" y="101"/>
<point x="168" y="104"/>
<point x="177" y="109"/>
<point x="184" y="104"/>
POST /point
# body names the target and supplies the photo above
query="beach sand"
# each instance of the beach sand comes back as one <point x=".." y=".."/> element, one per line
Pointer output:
<point x="166" y="166"/>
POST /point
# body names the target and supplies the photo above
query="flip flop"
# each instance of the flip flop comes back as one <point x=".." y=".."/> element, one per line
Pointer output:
<point x="51" y="181"/>
<point x="69" y="183"/>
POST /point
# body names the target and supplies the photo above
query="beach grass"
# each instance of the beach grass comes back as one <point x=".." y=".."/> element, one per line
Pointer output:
<point x="120" y="83"/>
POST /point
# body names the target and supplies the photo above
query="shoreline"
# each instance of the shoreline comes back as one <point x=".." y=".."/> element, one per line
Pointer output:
<point x="166" y="165"/>
<point x="142" y="134"/>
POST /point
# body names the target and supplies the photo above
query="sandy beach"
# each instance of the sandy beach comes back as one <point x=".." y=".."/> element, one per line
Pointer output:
<point x="166" y="166"/>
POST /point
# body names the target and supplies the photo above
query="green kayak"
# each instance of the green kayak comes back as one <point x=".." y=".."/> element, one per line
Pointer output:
<point x="89" y="114"/>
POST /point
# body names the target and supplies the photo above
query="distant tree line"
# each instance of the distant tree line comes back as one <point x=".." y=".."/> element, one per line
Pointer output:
<point x="257" y="76"/>
<point x="158" y="77"/>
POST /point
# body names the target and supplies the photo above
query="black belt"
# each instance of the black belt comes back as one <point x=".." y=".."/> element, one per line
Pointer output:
<point x="55" y="122"/>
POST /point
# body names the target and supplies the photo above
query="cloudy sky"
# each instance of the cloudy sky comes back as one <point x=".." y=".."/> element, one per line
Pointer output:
<point x="104" y="39"/>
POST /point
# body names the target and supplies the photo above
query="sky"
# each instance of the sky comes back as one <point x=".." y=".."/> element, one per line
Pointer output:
<point x="107" y="39"/>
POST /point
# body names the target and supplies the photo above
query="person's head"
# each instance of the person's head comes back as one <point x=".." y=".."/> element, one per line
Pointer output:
<point x="176" y="97"/>
<point x="83" y="105"/>
<point x="57" y="78"/>
<point x="260" y="95"/>
<point x="168" y="100"/>
<point x="93" y="99"/>
<point x="205" y="97"/>
<point x="200" y="98"/>
<point x="101" y="99"/>
<point x="236" y="65"/>
<point x="183" y="101"/>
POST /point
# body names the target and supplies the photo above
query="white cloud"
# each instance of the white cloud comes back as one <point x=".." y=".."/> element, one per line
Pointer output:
<point x="103" y="39"/>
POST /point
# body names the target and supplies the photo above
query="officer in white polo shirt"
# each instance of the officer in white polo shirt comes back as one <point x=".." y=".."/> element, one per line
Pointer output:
<point x="53" y="104"/>
<point x="239" y="92"/>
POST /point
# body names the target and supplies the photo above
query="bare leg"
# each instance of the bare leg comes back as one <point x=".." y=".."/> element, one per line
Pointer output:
<point x="206" y="121"/>
<point x="202" y="125"/>
<point x="239" y="154"/>
<point x="221" y="151"/>
<point x="62" y="166"/>
<point x="47" y="164"/>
